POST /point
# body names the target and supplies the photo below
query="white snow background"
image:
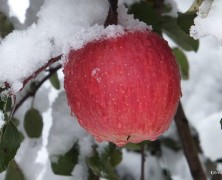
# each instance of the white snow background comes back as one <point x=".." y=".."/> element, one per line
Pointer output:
<point x="55" y="33"/>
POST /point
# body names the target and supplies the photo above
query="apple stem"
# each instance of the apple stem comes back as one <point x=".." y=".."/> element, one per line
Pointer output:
<point x="189" y="148"/>
<point x="112" y="17"/>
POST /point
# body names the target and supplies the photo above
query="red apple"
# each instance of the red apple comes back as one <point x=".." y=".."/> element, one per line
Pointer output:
<point x="124" y="89"/>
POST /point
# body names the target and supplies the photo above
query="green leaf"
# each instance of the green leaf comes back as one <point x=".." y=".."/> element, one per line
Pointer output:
<point x="33" y="85"/>
<point x="14" y="172"/>
<point x="170" y="27"/>
<point x="9" y="144"/>
<point x="182" y="61"/>
<point x="145" y="12"/>
<point x="55" y="81"/>
<point x="33" y="123"/>
<point x="132" y="146"/>
<point x="155" y="148"/>
<point x="137" y="147"/>
<point x="5" y="25"/>
<point x="8" y="104"/>
<point x="15" y="121"/>
<point x="1" y="104"/>
<point x="171" y="144"/>
<point x="221" y="123"/>
<point x="64" y="164"/>
<point x="92" y="176"/>
<point x="116" y="157"/>
<point x="103" y="164"/>
<point x="5" y="104"/>
<point x="94" y="163"/>
<point x="185" y="21"/>
<point x="113" y="154"/>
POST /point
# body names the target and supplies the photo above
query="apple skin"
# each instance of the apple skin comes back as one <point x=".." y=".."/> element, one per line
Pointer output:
<point x="124" y="89"/>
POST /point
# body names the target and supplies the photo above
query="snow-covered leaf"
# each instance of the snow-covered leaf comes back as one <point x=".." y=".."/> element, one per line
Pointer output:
<point x="170" y="27"/>
<point x="145" y="12"/>
<point x="55" y="81"/>
<point x="14" y="172"/>
<point x="207" y="21"/>
<point x="103" y="164"/>
<point x="185" y="21"/>
<point x="182" y="61"/>
<point x="9" y="143"/>
<point x="64" y="164"/>
<point x="33" y="123"/>
<point x="94" y="163"/>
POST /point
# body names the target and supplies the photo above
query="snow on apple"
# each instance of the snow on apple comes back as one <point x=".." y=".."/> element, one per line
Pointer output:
<point x="124" y="89"/>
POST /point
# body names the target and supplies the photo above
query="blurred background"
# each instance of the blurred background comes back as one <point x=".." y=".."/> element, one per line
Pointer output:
<point x="80" y="157"/>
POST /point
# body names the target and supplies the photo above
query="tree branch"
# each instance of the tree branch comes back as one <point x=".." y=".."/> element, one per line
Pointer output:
<point x="189" y="148"/>
<point x="26" y="80"/>
<point x="112" y="17"/>
<point x="32" y="92"/>
<point x="142" y="177"/>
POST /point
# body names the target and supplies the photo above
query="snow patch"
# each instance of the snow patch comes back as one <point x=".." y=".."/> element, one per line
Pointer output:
<point x="208" y="21"/>
<point x="57" y="32"/>
<point x="96" y="75"/>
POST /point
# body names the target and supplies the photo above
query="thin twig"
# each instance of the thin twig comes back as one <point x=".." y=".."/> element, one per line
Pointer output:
<point x="50" y="62"/>
<point x="142" y="176"/>
<point x="189" y="148"/>
<point x="13" y="107"/>
<point x="112" y="17"/>
<point x="32" y="92"/>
